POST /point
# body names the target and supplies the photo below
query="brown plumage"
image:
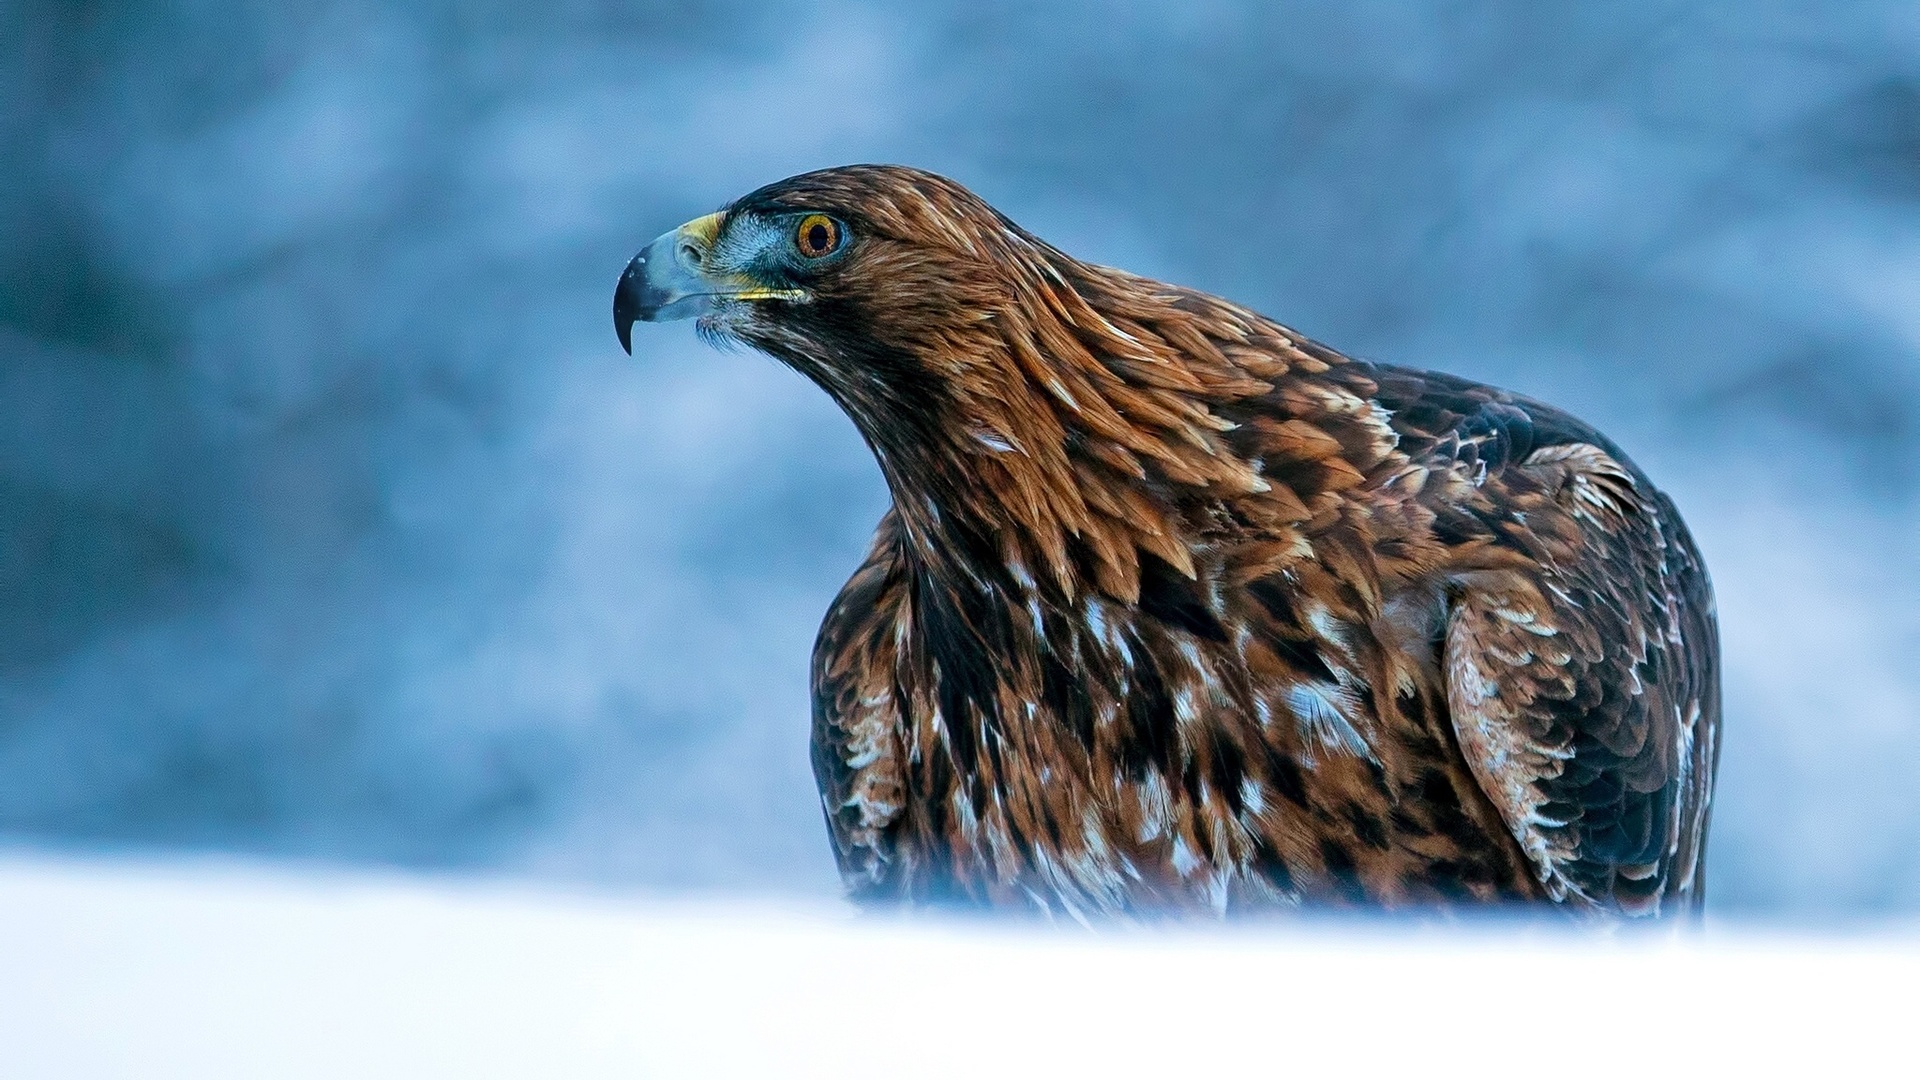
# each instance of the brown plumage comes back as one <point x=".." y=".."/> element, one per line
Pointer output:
<point x="1176" y="609"/>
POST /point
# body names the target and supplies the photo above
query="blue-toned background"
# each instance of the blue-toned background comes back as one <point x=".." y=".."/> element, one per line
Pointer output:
<point x="334" y="524"/>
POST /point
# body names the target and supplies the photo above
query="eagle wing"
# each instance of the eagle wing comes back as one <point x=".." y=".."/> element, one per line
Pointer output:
<point x="1582" y="676"/>
<point x="857" y="758"/>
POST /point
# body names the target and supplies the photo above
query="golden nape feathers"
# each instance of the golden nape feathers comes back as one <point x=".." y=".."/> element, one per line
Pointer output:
<point x="1178" y="610"/>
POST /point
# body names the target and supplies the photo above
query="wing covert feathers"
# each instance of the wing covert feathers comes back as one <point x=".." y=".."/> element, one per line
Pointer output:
<point x="1576" y="690"/>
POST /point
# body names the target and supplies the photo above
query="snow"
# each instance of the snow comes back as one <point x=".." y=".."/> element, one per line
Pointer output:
<point x="207" y="970"/>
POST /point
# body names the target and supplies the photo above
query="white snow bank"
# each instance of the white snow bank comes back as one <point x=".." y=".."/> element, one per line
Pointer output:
<point x="119" y="970"/>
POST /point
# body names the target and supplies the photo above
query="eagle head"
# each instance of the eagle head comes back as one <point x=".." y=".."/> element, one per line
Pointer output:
<point x="879" y="282"/>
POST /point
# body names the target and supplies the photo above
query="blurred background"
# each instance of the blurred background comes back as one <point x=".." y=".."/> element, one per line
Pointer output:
<point x="335" y="526"/>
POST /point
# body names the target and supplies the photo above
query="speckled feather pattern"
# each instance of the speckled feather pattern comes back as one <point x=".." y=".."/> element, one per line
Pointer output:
<point x="1179" y="611"/>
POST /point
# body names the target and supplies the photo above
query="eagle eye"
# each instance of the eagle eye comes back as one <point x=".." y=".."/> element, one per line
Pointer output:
<point x="817" y="236"/>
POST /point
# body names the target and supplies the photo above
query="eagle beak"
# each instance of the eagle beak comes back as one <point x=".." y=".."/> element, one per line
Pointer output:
<point x="674" y="279"/>
<point x="665" y="280"/>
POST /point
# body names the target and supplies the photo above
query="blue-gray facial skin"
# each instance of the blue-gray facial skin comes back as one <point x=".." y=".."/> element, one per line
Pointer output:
<point x="333" y="524"/>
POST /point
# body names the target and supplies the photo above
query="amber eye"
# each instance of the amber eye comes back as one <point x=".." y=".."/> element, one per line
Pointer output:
<point x="818" y="236"/>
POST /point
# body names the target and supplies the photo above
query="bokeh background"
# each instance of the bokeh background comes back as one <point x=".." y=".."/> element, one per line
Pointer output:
<point x="335" y="526"/>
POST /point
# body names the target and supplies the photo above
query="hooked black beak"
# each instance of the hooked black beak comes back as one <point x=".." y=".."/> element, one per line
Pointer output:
<point x="670" y="280"/>
<point x="665" y="280"/>
<point x="631" y="301"/>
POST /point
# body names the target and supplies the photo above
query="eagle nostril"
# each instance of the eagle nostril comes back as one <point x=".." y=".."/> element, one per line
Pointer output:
<point x="690" y="255"/>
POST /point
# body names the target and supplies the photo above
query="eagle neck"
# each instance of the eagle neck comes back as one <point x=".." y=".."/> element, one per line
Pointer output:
<point x="1076" y="431"/>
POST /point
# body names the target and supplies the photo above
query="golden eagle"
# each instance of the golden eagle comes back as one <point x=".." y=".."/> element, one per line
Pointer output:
<point x="1178" y="610"/>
